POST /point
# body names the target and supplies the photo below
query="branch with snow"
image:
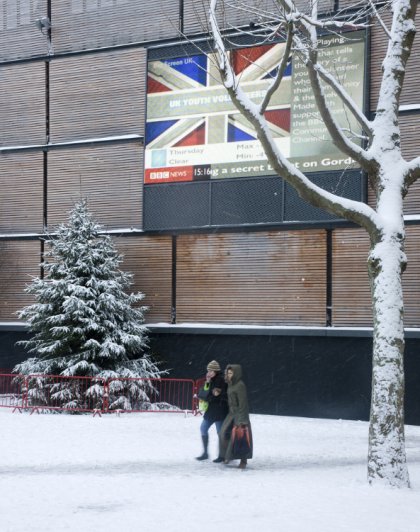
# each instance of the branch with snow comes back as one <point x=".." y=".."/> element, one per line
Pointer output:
<point x="309" y="52"/>
<point x="346" y="99"/>
<point x="353" y="210"/>
<point x="275" y="84"/>
<point x="380" y="19"/>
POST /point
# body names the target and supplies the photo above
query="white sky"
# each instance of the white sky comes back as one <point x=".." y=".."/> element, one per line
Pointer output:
<point x="137" y="472"/>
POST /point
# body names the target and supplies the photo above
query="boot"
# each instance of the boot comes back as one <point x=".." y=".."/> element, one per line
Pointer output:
<point x="242" y="464"/>
<point x="204" y="456"/>
<point x="219" y="460"/>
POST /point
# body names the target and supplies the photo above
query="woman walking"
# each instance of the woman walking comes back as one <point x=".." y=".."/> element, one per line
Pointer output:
<point x="237" y="423"/>
<point x="214" y="393"/>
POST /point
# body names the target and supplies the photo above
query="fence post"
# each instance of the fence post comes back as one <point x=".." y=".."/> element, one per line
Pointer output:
<point x="25" y="392"/>
<point x="105" y="402"/>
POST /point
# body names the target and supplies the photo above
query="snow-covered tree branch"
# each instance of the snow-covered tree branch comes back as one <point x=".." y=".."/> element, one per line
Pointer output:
<point x="377" y="150"/>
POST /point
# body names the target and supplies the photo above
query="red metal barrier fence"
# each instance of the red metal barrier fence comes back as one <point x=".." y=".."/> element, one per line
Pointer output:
<point x="12" y="394"/>
<point x="91" y="394"/>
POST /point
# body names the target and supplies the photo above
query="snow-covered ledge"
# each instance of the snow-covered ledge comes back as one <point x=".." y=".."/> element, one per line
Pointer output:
<point x="81" y="142"/>
<point x="237" y="329"/>
<point x="269" y="330"/>
<point x="410" y="107"/>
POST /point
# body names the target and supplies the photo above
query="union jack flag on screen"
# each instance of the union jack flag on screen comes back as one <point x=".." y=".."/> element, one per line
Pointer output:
<point x="187" y="106"/>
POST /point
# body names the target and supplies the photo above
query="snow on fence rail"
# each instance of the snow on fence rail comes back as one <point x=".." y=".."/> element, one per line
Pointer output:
<point x="97" y="395"/>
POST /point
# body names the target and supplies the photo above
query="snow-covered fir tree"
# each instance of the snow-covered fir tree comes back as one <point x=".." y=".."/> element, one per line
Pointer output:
<point x="84" y="322"/>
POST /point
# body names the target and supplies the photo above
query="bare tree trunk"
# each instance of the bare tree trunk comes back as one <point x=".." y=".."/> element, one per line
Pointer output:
<point x="386" y="455"/>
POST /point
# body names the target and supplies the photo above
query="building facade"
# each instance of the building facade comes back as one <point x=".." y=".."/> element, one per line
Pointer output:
<point x="238" y="269"/>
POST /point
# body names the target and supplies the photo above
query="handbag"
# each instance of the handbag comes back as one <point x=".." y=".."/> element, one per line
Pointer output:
<point x="241" y="442"/>
<point x="203" y="395"/>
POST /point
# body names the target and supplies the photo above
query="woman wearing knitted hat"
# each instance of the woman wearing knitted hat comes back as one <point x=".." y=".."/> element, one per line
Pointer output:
<point x="214" y="392"/>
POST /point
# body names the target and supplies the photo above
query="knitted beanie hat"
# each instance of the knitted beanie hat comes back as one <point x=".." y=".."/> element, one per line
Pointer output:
<point x="213" y="366"/>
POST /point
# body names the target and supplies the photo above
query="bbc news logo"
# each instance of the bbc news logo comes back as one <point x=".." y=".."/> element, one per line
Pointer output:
<point x="159" y="175"/>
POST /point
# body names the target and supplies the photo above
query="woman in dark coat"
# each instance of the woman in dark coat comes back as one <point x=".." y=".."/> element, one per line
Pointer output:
<point x="217" y="407"/>
<point x="238" y="416"/>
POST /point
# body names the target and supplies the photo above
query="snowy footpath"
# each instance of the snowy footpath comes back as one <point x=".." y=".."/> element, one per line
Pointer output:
<point x="137" y="473"/>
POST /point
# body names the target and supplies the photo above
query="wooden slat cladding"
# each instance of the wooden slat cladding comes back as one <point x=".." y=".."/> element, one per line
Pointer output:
<point x="351" y="303"/>
<point x="90" y="24"/>
<point x="19" y="262"/>
<point x="266" y="278"/>
<point x="350" y="283"/>
<point x="371" y="198"/>
<point x="230" y="15"/>
<point x="97" y="95"/>
<point x="21" y="192"/>
<point x="410" y="144"/>
<point x="411" y="277"/>
<point x="379" y="45"/>
<point x="237" y="13"/>
<point x="149" y="259"/>
<point x="355" y="4"/>
<point x="324" y="6"/>
<point x="410" y="135"/>
<point x="110" y="176"/>
<point x="22" y="108"/>
<point x="19" y="35"/>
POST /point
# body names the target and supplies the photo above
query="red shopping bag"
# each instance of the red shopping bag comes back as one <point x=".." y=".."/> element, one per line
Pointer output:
<point x="241" y="442"/>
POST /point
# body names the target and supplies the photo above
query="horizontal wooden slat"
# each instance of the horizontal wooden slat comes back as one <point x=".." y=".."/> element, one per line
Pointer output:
<point x="22" y="104"/>
<point x="19" y="263"/>
<point x="90" y="24"/>
<point x="260" y="278"/>
<point x="19" y="35"/>
<point x="109" y="176"/>
<point x="350" y="282"/>
<point x="97" y="95"/>
<point x="21" y="192"/>
<point x="150" y="261"/>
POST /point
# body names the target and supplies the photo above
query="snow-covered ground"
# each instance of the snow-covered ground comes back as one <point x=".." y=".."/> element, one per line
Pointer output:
<point x="137" y="473"/>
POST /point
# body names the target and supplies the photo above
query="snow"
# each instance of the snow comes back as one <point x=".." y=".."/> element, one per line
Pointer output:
<point x="410" y="107"/>
<point x="95" y="140"/>
<point x="203" y="325"/>
<point x="224" y="328"/>
<point x="137" y="472"/>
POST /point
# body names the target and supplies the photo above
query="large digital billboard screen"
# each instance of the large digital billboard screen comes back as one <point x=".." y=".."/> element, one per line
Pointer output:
<point x="194" y="132"/>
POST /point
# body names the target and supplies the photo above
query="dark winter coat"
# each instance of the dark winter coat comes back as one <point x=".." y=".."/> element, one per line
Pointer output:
<point x="238" y="413"/>
<point x="218" y="406"/>
<point x="237" y="397"/>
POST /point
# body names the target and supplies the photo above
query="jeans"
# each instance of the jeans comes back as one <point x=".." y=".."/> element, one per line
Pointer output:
<point x="206" y="424"/>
